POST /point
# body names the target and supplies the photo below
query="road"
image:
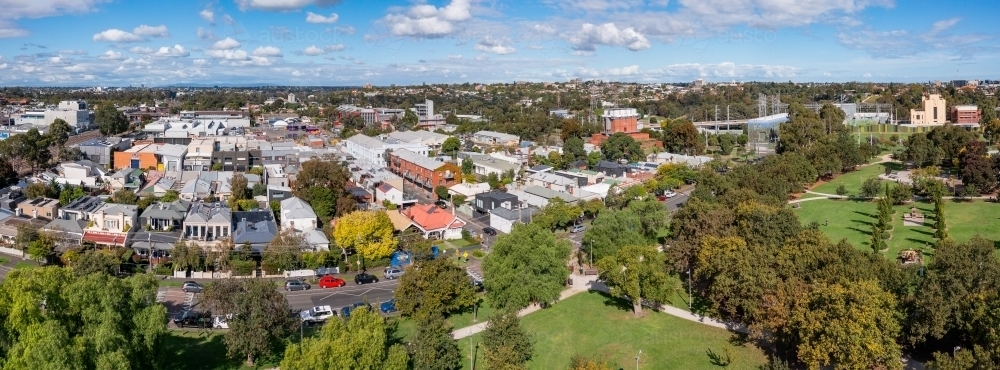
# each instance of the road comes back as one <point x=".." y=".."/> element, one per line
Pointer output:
<point x="344" y="296"/>
<point x="3" y="271"/>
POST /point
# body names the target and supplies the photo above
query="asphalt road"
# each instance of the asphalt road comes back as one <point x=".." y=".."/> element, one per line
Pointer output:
<point x="675" y="202"/>
<point x="336" y="298"/>
<point x="3" y="271"/>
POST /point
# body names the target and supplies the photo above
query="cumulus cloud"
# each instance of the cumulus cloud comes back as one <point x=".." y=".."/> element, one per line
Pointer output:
<point x="282" y="5"/>
<point x="175" y="51"/>
<point x="319" y="18"/>
<point x="497" y="46"/>
<point x="151" y="31"/>
<point x="16" y="10"/>
<point x="590" y="36"/>
<point x="596" y="5"/>
<point x="455" y="56"/>
<point x="313" y="50"/>
<point x="624" y="71"/>
<point x="140" y="50"/>
<point x="117" y="35"/>
<point x="111" y="55"/>
<point x="902" y="43"/>
<point x="226" y="44"/>
<point x="428" y="21"/>
<point x="206" y="34"/>
<point x="267" y="51"/>
<point x="237" y="54"/>
<point x="726" y="70"/>
<point x="348" y="30"/>
<point x="208" y="15"/>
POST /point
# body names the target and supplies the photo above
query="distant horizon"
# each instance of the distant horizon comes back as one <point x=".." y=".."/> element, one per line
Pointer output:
<point x="409" y="42"/>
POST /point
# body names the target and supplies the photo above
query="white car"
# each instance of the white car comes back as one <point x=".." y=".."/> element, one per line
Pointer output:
<point x="221" y="322"/>
<point x="393" y="273"/>
<point x="318" y="314"/>
<point x="669" y="194"/>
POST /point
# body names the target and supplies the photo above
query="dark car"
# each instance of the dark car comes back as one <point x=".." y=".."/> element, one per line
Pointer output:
<point x="346" y="311"/>
<point x="296" y="285"/>
<point x="365" y="278"/>
<point x="489" y="231"/>
<point x="388" y="306"/>
<point x="192" y="287"/>
<point x="192" y="318"/>
<point x="441" y="204"/>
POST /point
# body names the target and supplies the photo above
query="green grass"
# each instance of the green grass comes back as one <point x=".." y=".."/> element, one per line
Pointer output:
<point x="406" y="328"/>
<point x="852" y="180"/>
<point x="3" y="261"/>
<point x="852" y="220"/>
<point x="25" y="265"/>
<point x="593" y="325"/>
<point x="202" y="349"/>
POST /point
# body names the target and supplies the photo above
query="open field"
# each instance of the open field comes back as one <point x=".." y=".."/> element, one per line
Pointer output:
<point x="204" y="350"/>
<point x="853" y="180"/>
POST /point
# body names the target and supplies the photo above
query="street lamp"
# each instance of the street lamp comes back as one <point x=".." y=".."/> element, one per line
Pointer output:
<point x="591" y="254"/>
<point x="690" y="299"/>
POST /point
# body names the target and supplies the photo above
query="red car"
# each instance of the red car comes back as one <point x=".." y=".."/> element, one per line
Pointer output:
<point x="331" y="282"/>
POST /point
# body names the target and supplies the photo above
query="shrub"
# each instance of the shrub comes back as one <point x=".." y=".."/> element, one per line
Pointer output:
<point x="163" y="269"/>
<point x="841" y="190"/>
<point x="243" y="267"/>
<point x="478" y="254"/>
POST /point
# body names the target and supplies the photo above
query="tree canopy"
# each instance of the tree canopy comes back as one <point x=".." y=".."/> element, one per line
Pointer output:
<point x="526" y="266"/>
<point x="358" y="343"/>
<point x="370" y="233"/>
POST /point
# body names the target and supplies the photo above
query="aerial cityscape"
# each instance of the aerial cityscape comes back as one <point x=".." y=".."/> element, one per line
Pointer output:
<point x="471" y="184"/>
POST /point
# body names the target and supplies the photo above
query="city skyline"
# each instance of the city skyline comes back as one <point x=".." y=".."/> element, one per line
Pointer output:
<point x="332" y="42"/>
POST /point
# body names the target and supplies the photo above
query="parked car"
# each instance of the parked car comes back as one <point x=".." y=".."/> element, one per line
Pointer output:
<point x="322" y="271"/>
<point x="365" y="278"/>
<point x="662" y="198"/>
<point x="346" y="311"/>
<point x="331" y="282"/>
<point x="296" y="285"/>
<point x="441" y="204"/>
<point x="393" y="273"/>
<point x="192" y="318"/>
<point x="316" y="315"/>
<point x="221" y="322"/>
<point x="669" y="194"/>
<point x="489" y="231"/>
<point x="388" y="306"/>
<point x="578" y="229"/>
<point x="192" y="287"/>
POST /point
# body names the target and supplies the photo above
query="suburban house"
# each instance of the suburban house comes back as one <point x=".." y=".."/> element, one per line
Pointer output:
<point x="431" y="139"/>
<point x="256" y="228"/>
<point x="111" y="224"/>
<point x="538" y="168"/>
<point x="486" y="202"/>
<point x="484" y="165"/>
<point x="612" y="169"/>
<point x="278" y="193"/>
<point x="387" y="192"/>
<point x="469" y="190"/>
<point x="503" y="219"/>
<point x="68" y="233"/>
<point x="162" y="216"/>
<point x="39" y="208"/>
<point x="539" y="197"/>
<point x="492" y="138"/>
<point x="423" y="171"/>
<point x="554" y="182"/>
<point x="297" y="214"/>
<point x="274" y="174"/>
<point x="199" y="155"/>
<point x="434" y="222"/>
<point x="81" y="208"/>
<point x="372" y="150"/>
<point x="160" y="188"/>
<point x="10" y="197"/>
<point x="126" y="178"/>
<point x="208" y="222"/>
<point x="81" y="173"/>
<point x="197" y="189"/>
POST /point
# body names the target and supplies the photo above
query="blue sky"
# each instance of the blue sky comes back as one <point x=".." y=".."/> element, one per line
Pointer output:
<point x="349" y="42"/>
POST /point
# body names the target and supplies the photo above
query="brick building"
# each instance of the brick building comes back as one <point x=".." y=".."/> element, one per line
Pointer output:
<point x="623" y="120"/>
<point x="965" y="115"/>
<point x="423" y="171"/>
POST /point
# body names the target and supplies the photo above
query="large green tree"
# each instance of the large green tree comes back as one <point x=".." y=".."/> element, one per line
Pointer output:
<point x="358" y="343"/>
<point x="59" y="132"/>
<point x="434" y="288"/>
<point x="636" y="273"/>
<point x="260" y="320"/>
<point x="320" y="183"/>
<point x="507" y="346"/>
<point x="681" y="137"/>
<point x="975" y="167"/>
<point x="621" y="146"/>
<point x="526" y="266"/>
<point x="451" y="146"/>
<point x="434" y="348"/>
<point x="110" y="120"/>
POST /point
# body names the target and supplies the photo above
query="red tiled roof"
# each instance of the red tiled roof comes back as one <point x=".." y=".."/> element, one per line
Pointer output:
<point x="430" y="217"/>
<point x="104" y="238"/>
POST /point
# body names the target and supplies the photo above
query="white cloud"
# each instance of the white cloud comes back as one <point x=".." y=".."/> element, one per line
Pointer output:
<point x="208" y="15"/>
<point x="590" y="36"/>
<point x="624" y="71"/>
<point x="348" y="30"/>
<point x="237" y="54"/>
<point x="73" y="52"/>
<point x="206" y="34"/>
<point x="151" y="31"/>
<point x="111" y="55"/>
<point x="902" y="43"/>
<point x="13" y="10"/>
<point x="117" y="35"/>
<point x="319" y="18"/>
<point x="726" y="70"/>
<point x="312" y="50"/>
<point x="140" y="50"/>
<point x="267" y="51"/>
<point x="455" y="56"/>
<point x="332" y="48"/>
<point x="296" y="73"/>
<point x="496" y="46"/>
<point x="428" y="21"/>
<point x="282" y="5"/>
<point x="175" y="51"/>
<point x="200" y="62"/>
<point x="942" y="25"/>
<point x="226" y="44"/>
<point x="543" y="29"/>
<point x="596" y="5"/>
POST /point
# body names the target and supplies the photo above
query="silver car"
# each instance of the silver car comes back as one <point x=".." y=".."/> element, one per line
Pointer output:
<point x="393" y="273"/>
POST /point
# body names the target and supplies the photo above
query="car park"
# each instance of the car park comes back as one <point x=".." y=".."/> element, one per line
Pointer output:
<point x="388" y="306"/>
<point x="192" y="287"/>
<point x="577" y="229"/>
<point x="393" y="273"/>
<point x="331" y="282"/>
<point x="316" y="315"/>
<point x="365" y="278"/>
<point x="296" y="285"/>
<point x="192" y="318"/>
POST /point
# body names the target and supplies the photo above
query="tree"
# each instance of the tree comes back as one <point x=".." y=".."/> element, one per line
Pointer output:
<point x="59" y="132"/>
<point x="940" y="227"/>
<point x="433" y="288"/>
<point x="434" y="348"/>
<point x="187" y="257"/>
<point x="467" y="166"/>
<point x="358" y="343"/>
<point x="833" y="118"/>
<point x="527" y="266"/>
<point x="726" y="143"/>
<point x="240" y="189"/>
<point x="870" y="188"/>
<point x="975" y="166"/>
<point x="7" y="174"/>
<point x="921" y="150"/>
<point x="451" y="146"/>
<point x="841" y="190"/>
<point x="680" y="136"/>
<point x="612" y="230"/>
<point x="570" y="129"/>
<point x="621" y="146"/>
<point x="573" y="150"/>
<point x="991" y="129"/>
<point x="506" y="344"/>
<point x="370" y="233"/>
<point x="35" y="148"/>
<point x="409" y="121"/>
<point x="259" y="189"/>
<point x="109" y="120"/>
<point x="171" y="196"/>
<point x="442" y="192"/>
<point x="55" y="320"/>
<point x="36" y="190"/>
<point x="42" y="247"/>
<point x="583" y="363"/>
<point x="260" y="319"/>
<point x="321" y="184"/>
<point x="636" y="273"/>
<point x="96" y="262"/>
<point x="70" y="193"/>
<point x="125" y="196"/>
<point x="876" y="242"/>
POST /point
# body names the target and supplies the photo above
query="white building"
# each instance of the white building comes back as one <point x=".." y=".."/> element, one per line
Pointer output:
<point x="431" y="139"/>
<point x="297" y="214"/>
<point x="74" y="112"/>
<point x="425" y="110"/>
<point x="291" y="98"/>
<point x="495" y="138"/>
<point x="372" y="150"/>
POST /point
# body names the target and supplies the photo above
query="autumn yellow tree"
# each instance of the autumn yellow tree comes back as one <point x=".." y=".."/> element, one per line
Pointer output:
<point x="368" y="232"/>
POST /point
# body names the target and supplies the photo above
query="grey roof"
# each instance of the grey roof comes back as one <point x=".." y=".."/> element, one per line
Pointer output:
<point x="552" y="179"/>
<point x="155" y="240"/>
<point x="550" y="194"/>
<point x="417" y="159"/>
<point x="524" y="213"/>
<point x="176" y="210"/>
<point x="366" y="141"/>
<point x="498" y="135"/>
<point x="316" y="237"/>
<point x="296" y="208"/>
<point x="417" y="136"/>
<point x="209" y="212"/>
<point x="85" y="204"/>
<point x="68" y="226"/>
<point x="540" y="168"/>
<point x="128" y="210"/>
<point x="255" y="227"/>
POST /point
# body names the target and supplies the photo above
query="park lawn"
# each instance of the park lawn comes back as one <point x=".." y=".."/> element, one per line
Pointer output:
<point x="599" y="327"/>
<point x="852" y="180"/>
<point x="406" y="328"/>
<point x="852" y="220"/>
<point x="25" y="265"/>
<point x="3" y="261"/>
<point x="203" y="349"/>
